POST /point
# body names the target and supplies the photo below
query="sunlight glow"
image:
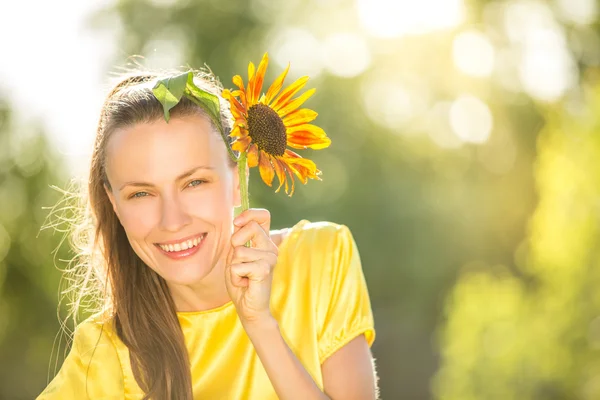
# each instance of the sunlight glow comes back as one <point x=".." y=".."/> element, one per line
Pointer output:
<point x="300" y="48"/>
<point x="473" y="54"/>
<point x="346" y="55"/>
<point x="393" y="18"/>
<point x="471" y="119"/>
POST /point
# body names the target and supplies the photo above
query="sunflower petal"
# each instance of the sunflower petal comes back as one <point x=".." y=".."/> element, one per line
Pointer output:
<point x="252" y="155"/>
<point x="299" y="117"/>
<point x="310" y="128"/>
<point x="280" y="171"/>
<point x="259" y="79"/>
<point x="251" y="70"/>
<point x="293" y="159"/>
<point x="288" y="92"/>
<point x="276" y="85"/>
<point x="241" y="144"/>
<point x="266" y="169"/>
<point x="304" y="142"/>
<point x="297" y="102"/>
<point x="293" y="182"/>
<point x="238" y="132"/>
<point x="239" y="82"/>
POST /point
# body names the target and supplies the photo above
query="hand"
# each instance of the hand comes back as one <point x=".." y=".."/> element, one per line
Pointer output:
<point x="249" y="270"/>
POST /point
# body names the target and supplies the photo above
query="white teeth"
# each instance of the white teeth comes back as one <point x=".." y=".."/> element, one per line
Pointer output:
<point x="183" y="245"/>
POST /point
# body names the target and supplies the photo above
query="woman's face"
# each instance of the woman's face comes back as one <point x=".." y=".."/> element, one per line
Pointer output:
<point x="173" y="190"/>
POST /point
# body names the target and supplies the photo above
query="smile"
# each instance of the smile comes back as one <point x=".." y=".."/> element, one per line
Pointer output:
<point x="182" y="245"/>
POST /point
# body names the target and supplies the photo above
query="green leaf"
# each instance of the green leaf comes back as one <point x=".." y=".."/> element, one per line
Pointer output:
<point x="208" y="101"/>
<point x="170" y="90"/>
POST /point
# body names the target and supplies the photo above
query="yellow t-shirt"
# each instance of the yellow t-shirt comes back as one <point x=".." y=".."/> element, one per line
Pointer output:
<point x="319" y="297"/>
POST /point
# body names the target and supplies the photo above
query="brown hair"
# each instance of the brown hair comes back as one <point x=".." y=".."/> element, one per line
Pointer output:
<point x="136" y="298"/>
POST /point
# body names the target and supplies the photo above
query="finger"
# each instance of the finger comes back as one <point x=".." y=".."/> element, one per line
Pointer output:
<point x="260" y="215"/>
<point x="242" y="274"/>
<point x="242" y="254"/>
<point x="253" y="232"/>
<point x="231" y="248"/>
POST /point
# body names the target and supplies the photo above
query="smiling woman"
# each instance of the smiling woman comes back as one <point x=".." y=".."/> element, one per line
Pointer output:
<point x="185" y="309"/>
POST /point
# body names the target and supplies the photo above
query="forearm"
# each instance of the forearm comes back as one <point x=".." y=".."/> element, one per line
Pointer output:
<point x="287" y="375"/>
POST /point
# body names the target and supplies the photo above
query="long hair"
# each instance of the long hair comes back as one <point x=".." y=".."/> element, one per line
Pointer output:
<point x="109" y="272"/>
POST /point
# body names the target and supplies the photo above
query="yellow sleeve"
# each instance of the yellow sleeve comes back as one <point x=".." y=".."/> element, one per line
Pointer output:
<point x="344" y="305"/>
<point x="92" y="369"/>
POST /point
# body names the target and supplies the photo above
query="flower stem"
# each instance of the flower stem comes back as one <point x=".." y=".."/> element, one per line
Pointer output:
<point x="242" y="165"/>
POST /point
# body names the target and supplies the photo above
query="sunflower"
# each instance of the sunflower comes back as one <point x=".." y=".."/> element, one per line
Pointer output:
<point x="267" y="124"/>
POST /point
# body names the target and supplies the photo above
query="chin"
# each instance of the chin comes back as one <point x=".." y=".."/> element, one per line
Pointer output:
<point x="185" y="274"/>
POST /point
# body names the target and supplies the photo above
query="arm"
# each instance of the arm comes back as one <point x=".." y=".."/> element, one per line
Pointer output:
<point x="347" y="374"/>
<point x="288" y="376"/>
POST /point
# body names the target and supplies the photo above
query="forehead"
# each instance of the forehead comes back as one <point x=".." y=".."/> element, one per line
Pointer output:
<point x="159" y="150"/>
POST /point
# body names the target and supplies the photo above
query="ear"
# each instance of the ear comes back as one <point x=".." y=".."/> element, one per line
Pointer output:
<point x="111" y="197"/>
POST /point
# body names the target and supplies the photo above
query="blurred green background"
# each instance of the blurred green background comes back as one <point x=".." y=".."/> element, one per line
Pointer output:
<point x="465" y="160"/>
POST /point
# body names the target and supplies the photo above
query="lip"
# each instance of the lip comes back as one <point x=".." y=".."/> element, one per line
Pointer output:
<point x="178" y="255"/>
<point x="198" y="235"/>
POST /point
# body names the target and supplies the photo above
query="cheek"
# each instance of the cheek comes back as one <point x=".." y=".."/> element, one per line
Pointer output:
<point x="214" y="205"/>
<point x="140" y="218"/>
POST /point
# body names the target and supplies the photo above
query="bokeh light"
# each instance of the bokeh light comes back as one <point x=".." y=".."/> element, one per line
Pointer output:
<point x="346" y="55"/>
<point x="473" y="53"/>
<point x="471" y="119"/>
<point x="386" y="19"/>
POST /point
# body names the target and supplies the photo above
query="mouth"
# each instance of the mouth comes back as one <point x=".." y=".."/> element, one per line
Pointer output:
<point x="183" y="247"/>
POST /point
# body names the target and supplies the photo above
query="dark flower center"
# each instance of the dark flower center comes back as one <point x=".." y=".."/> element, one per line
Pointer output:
<point x="266" y="129"/>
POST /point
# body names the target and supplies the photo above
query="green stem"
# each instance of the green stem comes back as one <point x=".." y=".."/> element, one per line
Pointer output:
<point x="242" y="165"/>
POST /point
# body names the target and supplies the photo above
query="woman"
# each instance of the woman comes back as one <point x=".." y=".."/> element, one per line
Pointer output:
<point x="188" y="311"/>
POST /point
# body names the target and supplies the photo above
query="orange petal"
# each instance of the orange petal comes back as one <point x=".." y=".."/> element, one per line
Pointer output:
<point x="250" y="74"/>
<point x="293" y="183"/>
<point x="241" y="144"/>
<point x="288" y="92"/>
<point x="310" y="128"/>
<point x="297" y="102"/>
<point x="239" y="82"/>
<point x="292" y="158"/>
<point x="304" y="142"/>
<point x="266" y="169"/>
<point x="241" y="121"/>
<point x="252" y="155"/>
<point x="238" y="132"/>
<point x="280" y="171"/>
<point x="299" y="117"/>
<point x="276" y="85"/>
<point x="259" y="79"/>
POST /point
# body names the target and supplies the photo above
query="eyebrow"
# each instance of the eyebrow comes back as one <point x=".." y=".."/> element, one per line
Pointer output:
<point x="180" y="177"/>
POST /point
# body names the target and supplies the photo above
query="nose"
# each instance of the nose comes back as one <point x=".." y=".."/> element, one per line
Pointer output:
<point x="174" y="216"/>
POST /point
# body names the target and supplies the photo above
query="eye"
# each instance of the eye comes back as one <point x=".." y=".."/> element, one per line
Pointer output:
<point x="138" y="195"/>
<point x="196" y="182"/>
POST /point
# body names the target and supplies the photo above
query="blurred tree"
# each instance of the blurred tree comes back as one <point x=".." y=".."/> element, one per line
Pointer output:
<point x="418" y="209"/>
<point x="534" y="333"/>
<point x="28" y="281"/>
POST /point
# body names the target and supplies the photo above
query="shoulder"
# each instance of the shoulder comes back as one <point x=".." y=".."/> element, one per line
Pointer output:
<point x="313" y="252"/>
<point x="94" y="338"/>
<point x="92" y="366"/>
<point x="315" y="235"/>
